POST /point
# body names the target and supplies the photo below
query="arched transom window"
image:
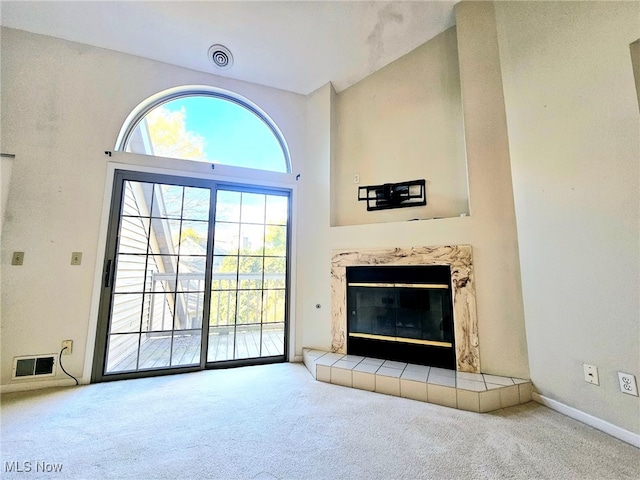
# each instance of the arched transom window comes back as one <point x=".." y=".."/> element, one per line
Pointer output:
<point x="205" y="125"/>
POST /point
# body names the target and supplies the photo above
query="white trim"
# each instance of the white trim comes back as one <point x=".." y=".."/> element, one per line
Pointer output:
<point x="190" y="169"/>
<point x="196" y="169"/>
<point x="24" y="386"/>
<point x="97" y="276"/>
<point x="595" y="422"/>
<point x="293" y="255"/>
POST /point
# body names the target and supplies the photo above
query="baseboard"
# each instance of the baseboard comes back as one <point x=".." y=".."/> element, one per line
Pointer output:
<point x="602" y="425"/>
<point x="23" y="387"/>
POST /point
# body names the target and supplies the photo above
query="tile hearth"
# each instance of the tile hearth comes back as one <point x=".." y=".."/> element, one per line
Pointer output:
<point x="475" y="392"/>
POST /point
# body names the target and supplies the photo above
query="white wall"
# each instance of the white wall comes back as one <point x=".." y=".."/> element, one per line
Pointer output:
<point x="574" y="135"/>
<point x="314" y="249"/>
<point x="491" y="228"/>
<point x="6" y="165"/>
<point x="63" y="105"/>
<point x="403" y="122"/>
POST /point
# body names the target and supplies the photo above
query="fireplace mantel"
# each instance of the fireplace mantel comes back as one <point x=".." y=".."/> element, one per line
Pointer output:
<point x="458" y="257"/>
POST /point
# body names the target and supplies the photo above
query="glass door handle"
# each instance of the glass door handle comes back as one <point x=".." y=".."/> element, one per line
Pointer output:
<point x="107" y="274"/>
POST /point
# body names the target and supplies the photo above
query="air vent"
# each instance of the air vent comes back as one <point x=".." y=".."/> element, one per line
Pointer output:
<point x="34" y="366"/>
<point x="220" y="56"/>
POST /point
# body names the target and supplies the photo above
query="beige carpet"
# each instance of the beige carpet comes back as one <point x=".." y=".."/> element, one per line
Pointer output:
<point x="276" y="422"/>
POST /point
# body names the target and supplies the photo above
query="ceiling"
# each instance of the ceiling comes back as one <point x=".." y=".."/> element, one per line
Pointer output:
<point x="295" y="45"/>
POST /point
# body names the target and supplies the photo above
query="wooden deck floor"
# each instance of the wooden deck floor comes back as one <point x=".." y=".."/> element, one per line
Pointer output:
<point x="247" y="343"/>
<point x="157" y="352"/>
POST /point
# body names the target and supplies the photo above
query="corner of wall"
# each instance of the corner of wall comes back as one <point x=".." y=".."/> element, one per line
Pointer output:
<point x="491" y="190"/>
<point x="313" y="296"/>
<point x="333" y="148"/>
<point x="635" y="64"/>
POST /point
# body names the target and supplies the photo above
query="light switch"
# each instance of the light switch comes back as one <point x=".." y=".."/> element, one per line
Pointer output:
<point x="591" y="374"/>
<point x="17" y="258"/>
<point x="76" y="258"/>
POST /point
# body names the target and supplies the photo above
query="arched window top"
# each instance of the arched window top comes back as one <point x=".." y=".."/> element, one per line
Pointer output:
<point x="205" y="124"/>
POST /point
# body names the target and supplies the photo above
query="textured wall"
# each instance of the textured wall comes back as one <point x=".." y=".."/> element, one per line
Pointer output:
<point x="575" y="148"/>
<point x="403" y="122"/>
<point x="490" y="229"/>
<point x="63" y="105"/>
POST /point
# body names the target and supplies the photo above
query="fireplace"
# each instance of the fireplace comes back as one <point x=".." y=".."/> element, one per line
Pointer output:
<point x="459" y="264"/>
<point x="402" y="313"/>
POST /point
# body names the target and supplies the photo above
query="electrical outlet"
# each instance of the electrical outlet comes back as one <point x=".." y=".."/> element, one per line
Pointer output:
<point x="356" y="178"/>
<point x="67" y="346"/>
<point x="591" y="374"/>
<point x="17" y="258"/>
<point x="628" y="383"/>
<point x="76" y="258"/>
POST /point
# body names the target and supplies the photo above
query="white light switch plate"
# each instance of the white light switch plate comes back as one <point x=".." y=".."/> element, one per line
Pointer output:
<point x="591" y="374"/>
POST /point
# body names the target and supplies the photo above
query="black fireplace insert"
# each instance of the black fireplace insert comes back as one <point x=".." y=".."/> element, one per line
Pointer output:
<point x="402" y="313"/>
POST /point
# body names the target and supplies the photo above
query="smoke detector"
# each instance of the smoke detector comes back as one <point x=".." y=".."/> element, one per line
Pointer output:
<point x="220" y="56"/>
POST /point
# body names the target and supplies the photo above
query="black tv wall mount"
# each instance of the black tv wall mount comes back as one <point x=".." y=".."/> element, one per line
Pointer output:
<point x="393" y="195"/>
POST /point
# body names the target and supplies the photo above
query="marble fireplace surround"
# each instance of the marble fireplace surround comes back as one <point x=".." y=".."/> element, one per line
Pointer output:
<point x="458" y="257"/>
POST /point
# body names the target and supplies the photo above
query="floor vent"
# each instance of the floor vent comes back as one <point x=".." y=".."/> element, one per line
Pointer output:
<point x="34" y="366"/>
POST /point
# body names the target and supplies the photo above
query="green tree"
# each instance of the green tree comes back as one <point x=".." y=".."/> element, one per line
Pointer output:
<point x="250" y="266"/>
<point x="170" y="137"/>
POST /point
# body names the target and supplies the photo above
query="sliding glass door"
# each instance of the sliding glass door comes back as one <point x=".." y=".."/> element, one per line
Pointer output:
<point x="248" y="288"/>
<point x="195" y="276"/>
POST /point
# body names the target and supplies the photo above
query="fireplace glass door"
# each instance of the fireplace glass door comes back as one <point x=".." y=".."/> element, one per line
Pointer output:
<point x="401" y="313"/>
<point x="411" y="313"/>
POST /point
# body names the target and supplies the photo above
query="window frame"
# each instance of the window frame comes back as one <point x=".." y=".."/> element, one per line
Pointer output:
<point x="140" y="112"/>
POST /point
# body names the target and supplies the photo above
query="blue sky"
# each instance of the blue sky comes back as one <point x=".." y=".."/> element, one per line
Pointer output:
<point x="234" y="135"/>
